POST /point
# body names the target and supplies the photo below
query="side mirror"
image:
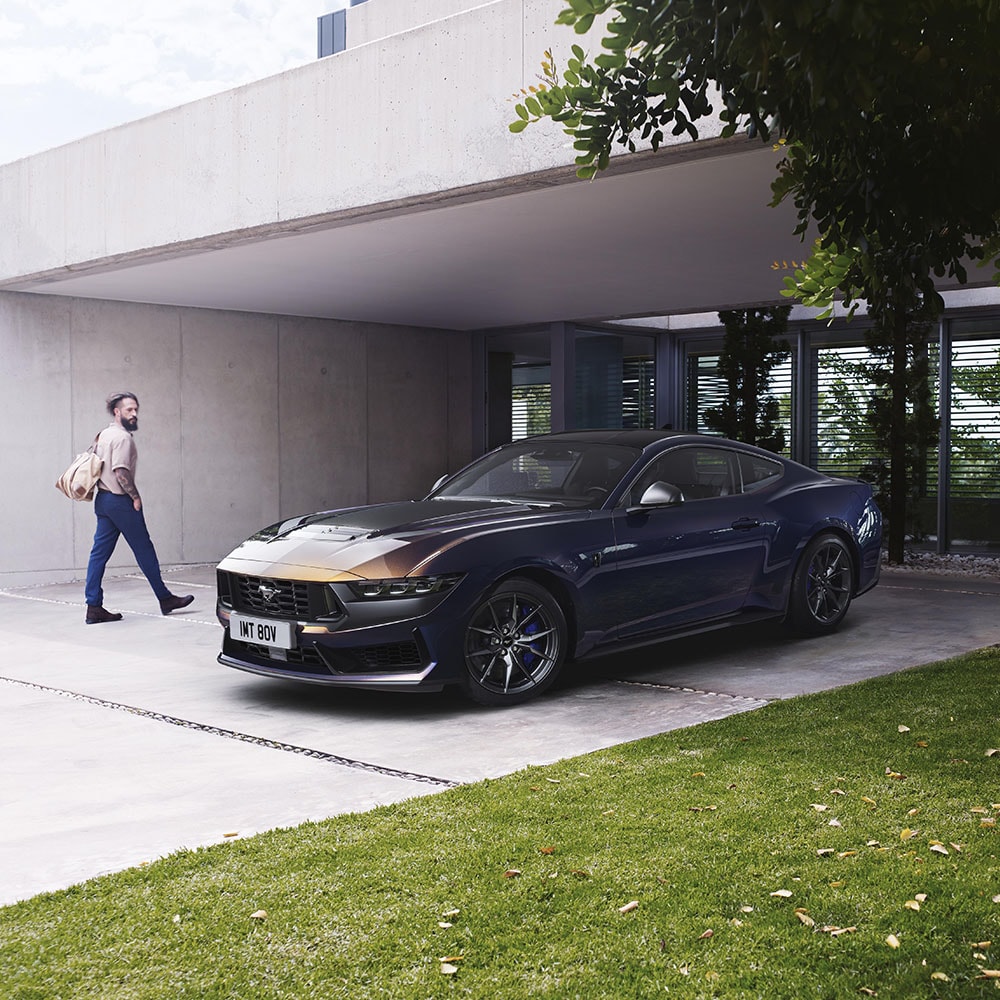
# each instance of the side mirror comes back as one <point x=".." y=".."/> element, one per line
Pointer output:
<point x="660" y="494"/>
<point x="440" y="482"/>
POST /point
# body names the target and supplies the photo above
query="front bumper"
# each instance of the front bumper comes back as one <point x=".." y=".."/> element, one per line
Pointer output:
<point x="340" y="641"/>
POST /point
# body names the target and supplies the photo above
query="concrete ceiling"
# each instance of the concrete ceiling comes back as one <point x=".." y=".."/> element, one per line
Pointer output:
<point x="677" y="235"/>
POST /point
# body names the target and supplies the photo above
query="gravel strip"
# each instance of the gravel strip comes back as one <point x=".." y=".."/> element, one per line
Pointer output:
<point x="952" y="564"/>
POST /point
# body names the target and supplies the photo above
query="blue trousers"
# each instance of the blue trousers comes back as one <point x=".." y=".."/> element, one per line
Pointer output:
<point x="116" y="517"/>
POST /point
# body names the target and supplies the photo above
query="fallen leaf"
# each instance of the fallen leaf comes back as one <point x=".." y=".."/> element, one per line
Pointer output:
<point x="451" y="958"/>
<point x="546" y="850"/>
<point x="903" y="729"/>
<point x="939" y="849"/>
<point x="580" y="873"/>
<point x="979" y="811"/>
<point x="923" y="744"/>
<point x="608" y="812"/>
<point x="736" y="922"/>
<point x="819" y="807"/>
<point x="512" y="873"/>
<point x="259" y="915"/>
<point x="989" y="974"/>
<point x="913" y="812"/>
<point x="940" y="977"/>
<point x="234" y="833"/>
<point x="746" y="909"/>
<point x="867" y="992"/>
<point x="895" y="775"/>
<point x="805" y="918"/>
<point x="447" y="969"/>
<point x="824" y="851"/>
<point x="988" y="821"/>
<point x="837" y="931"/>
<point x="834" y="822"/>
<point x="553" y="781"/>
<point x="996" y="899"/>
<point x="872" y="843"/>
<point x="837" y="791"/>
<point x="176" y="918"/>
<point x="444" y="924"/>
<point x="921" y="897"/>
<point x="847" y="854"/>
<point x="892" y="941"/>
<point x="907" y="834"/>
<point x="698" y="774"/>
<point x="782" y="893"/>
<point x="912" y="904"/>
<point x="992" y="752"/>
<point x="871" y="802"/>
<point x="706" y="934"/>
<point x="629" y="907"/>
<point x="982" y="944"/>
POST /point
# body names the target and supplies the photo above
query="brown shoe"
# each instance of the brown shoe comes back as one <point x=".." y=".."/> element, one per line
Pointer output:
<point x="175" y="603"/>
<point x="97" y="614"/>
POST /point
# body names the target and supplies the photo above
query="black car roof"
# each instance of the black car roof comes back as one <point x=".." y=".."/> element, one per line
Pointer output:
<point x="627" y="438"/>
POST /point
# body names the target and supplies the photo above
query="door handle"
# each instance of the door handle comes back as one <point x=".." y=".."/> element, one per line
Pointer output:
<point x="745" y="523"/>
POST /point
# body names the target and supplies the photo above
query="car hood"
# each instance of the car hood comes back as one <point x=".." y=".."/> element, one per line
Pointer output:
<point x="382" y="541"/>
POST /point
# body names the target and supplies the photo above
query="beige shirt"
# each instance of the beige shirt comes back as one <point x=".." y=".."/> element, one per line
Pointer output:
<point x="116" y="446"/>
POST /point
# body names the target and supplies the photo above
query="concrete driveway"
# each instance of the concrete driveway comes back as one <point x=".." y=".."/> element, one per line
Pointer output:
<point x="127" y="741"/>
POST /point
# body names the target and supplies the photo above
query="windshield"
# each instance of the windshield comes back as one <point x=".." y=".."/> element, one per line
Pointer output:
<point x="577" y="473"/>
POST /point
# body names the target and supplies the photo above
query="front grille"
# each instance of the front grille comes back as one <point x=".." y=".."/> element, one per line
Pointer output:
<point x="276" y="598"/>
<point x="389" y="658"/>
<point x="273" y="598"/>
<point x="303" y="660"/>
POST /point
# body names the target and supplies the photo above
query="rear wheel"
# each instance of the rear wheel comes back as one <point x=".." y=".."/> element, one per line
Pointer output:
<point x="822" y="586"/>
<point x="515" y="643"/>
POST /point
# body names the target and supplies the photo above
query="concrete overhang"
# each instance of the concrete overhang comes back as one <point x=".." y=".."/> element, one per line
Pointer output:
<point x="687" y="229"/>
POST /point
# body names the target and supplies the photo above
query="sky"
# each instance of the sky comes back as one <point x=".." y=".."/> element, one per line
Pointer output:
<point x="72" y="67"/>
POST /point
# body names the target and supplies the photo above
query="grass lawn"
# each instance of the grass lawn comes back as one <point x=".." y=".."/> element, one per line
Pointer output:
<point x="836" y="845"/>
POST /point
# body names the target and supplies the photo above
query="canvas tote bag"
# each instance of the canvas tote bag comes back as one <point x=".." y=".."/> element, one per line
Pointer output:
<point x="80" y="479"/>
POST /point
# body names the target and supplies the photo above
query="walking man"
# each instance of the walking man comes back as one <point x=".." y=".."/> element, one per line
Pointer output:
<point x="119" y="512"/>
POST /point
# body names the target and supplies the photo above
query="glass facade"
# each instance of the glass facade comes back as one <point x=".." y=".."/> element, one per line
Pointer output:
<point x="565" y="377"/>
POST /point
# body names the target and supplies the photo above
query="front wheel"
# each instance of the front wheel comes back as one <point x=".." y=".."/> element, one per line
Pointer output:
<point x="822" y="587"/>
<point x="515" y="643"/>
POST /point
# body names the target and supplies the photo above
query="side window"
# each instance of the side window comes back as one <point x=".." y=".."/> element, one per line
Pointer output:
<point x="758" y="472"/>
<point x="699" y="473"/>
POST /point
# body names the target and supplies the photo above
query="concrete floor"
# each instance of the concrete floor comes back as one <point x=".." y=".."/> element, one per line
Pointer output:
<point x="127" y="741"/>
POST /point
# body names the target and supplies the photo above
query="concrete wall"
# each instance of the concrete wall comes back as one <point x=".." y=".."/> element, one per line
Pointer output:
<point x="244" y="419"/>
<point x="404" y="117"/>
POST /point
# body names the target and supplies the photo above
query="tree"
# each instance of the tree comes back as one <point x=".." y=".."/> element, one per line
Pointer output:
<point x="750" y="351"/>
<point x="915" y="430"/>
<point x="883" y="113"/>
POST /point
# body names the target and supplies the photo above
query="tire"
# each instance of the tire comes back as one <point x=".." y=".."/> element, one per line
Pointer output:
<point x="514" y="644"/>
<point x="822" y="587"/>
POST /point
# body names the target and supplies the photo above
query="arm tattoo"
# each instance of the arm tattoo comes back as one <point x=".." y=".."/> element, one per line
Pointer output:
<point x="127" y="483"/>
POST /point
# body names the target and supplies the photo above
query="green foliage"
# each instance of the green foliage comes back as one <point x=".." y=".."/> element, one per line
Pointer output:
<point x="770" y="854"/>
<point x="885" y="109"/>
<point x="750" y="350"/>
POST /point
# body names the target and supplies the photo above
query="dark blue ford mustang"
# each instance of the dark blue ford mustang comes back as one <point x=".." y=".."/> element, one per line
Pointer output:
<point x="545" y="551"/>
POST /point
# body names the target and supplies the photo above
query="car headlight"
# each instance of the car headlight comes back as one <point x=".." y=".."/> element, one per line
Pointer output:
<point x="408" y="586"/>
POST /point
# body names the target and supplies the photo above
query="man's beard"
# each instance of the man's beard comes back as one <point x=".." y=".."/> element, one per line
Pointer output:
<point x="131" y="425"/>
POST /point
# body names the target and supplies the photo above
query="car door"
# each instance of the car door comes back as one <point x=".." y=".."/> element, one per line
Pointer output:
<point x="691" y="561"/>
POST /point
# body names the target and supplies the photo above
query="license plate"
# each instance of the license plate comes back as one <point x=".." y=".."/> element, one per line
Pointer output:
<point x="262" y="631"/>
